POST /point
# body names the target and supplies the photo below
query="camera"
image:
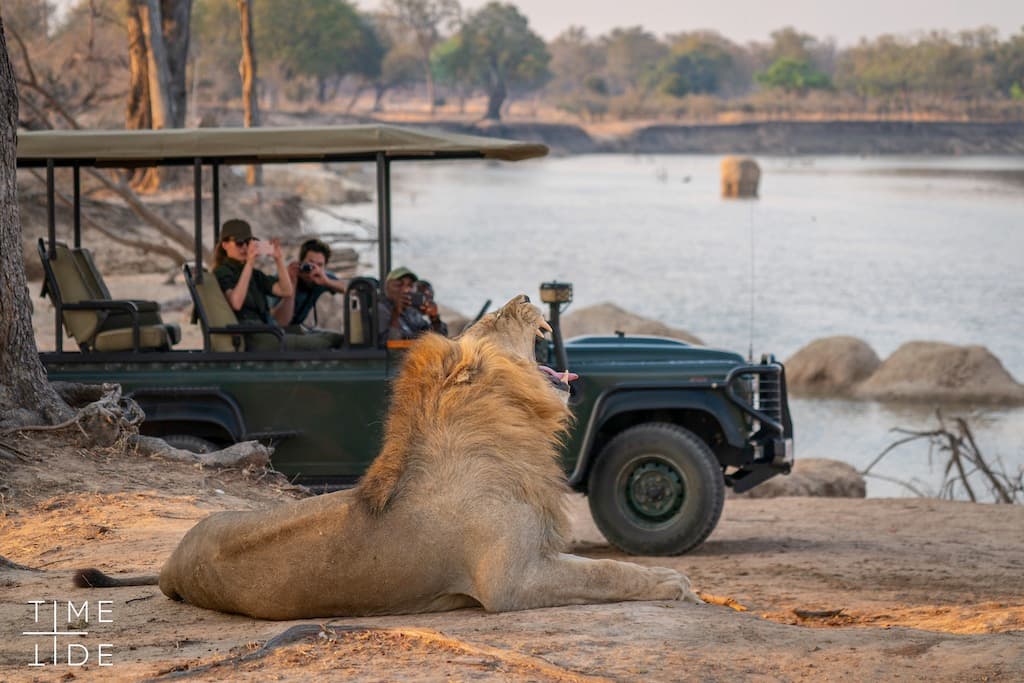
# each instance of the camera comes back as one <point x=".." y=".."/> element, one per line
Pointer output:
<point x="306" y="268"/>
<point x="417" y="299"/>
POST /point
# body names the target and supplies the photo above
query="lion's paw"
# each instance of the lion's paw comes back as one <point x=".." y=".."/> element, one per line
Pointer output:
<point x="671" y="585"/>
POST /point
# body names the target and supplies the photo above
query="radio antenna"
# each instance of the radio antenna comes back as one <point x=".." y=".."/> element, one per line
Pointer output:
<point x="753" y="282"/>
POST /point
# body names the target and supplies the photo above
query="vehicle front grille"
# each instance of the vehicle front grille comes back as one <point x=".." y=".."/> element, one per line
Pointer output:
<point x="768" y="399"/>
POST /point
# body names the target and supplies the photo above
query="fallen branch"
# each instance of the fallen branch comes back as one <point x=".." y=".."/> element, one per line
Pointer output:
<point x="244" y="454"/>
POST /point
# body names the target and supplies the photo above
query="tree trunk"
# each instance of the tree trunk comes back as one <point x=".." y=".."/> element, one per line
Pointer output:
<point x="496" y="94"/>
<point x="23" y="384"/>
<point x="175" y="14"/>
<point x="431" y="92"/>
<point x="247" y="69"/>
<point x="159" y="73"/>
<point x="137" y="112"/>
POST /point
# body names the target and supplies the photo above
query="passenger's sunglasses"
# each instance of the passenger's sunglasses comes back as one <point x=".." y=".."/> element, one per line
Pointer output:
<point x="242" y="243"/>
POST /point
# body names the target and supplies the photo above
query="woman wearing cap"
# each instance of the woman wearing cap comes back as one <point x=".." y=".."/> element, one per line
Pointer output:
<point x="246" y="288"/>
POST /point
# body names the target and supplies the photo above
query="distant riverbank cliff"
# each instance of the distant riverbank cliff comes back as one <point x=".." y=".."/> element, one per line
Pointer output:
<point x="773" y="137"/>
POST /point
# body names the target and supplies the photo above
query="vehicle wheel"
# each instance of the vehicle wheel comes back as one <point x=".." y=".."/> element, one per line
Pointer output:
<point x="194" y="444"/>
<point x="656" y="489"/>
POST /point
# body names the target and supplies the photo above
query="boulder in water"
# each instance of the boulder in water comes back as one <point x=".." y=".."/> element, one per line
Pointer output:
<point x="607" y="318"/>
<point x="933" y="371"/>
<point x="831" y="366"/>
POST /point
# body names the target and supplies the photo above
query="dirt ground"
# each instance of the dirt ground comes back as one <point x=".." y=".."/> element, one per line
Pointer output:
<point x="903" y="588"/>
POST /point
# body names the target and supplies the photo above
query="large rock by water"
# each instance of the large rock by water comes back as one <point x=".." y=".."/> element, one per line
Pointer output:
<point x="933" y="371"/>
<point x="813" y="477"/>
<point x="831" y="366"/>
<point x="607" y="318"/>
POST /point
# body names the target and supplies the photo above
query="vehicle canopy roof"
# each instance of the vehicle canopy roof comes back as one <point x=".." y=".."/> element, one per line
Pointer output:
<point x="176" y="146"/>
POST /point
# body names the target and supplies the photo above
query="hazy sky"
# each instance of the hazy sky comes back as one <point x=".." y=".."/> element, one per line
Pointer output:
<point x="745" y="20"/>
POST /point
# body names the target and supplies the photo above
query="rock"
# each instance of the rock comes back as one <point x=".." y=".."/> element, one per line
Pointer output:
<point x="607" y="318"/>
<point x="812" y="477"/>
<point x="933" y="371"/>
<point x="832" y="366"/>
<point x="740" y="177"/>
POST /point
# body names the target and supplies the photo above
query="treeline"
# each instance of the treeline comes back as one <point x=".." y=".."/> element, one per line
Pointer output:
<point x="329" y="53"/>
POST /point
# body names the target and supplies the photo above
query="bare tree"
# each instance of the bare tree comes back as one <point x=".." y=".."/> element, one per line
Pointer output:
<point x="423" y="19"/>
<point x="158" y="36"/>
<point x="25" y="394"/>
<point x="247" y="69"/>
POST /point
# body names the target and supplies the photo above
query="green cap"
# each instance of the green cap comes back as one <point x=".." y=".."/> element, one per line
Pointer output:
<point x="400" y="272"/>
<point x="236" y="229"/>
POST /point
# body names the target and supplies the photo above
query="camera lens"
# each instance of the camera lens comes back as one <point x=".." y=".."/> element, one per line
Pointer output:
<point x="306" y="268"/>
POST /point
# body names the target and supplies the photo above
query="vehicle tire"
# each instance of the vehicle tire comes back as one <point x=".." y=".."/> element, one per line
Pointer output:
<point x="193" y="444"/>
<point x="656" y="489"/>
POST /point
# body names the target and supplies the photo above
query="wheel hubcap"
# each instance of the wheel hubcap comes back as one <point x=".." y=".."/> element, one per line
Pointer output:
<point x="655" y="491"/>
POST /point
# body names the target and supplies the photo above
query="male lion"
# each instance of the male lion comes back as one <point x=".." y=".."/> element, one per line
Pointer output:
<point x="463" y="506"/>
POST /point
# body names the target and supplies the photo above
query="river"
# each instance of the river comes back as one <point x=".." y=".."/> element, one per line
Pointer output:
<point x="888" y="249"/>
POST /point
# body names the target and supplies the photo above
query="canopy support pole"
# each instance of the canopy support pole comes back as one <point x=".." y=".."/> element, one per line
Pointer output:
<point x="51" y="233"/>
<point x="216" y="202"/>
<point x="51" y="212"/>
<point x="78" y="205"/>
<point x="197" y="201"/>
<point x="384" y="214"/>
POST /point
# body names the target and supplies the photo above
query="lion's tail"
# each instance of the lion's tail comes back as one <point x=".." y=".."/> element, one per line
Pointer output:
<point x="94" y="578"/>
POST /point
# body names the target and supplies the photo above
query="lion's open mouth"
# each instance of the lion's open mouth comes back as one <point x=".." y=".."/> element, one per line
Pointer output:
<point x="559" y="380"/>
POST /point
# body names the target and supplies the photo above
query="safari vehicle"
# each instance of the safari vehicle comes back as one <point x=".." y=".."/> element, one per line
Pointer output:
<point x="661" y="427"/>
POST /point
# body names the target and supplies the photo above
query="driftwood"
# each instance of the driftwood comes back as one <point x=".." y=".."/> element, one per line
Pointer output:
<point x="965" y="465"/>
<point x="101" y="421"/>
<point x="244" y="454"/>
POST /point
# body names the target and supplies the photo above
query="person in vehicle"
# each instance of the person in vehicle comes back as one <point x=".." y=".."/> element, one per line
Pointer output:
<point x="404" y="312"/>
<point x="247" y="288"/>
<point x="310" y="279"/>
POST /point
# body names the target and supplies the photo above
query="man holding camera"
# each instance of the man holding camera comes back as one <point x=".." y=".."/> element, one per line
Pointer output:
<point x="407" y="308"/>
<point x="310" y="279"/>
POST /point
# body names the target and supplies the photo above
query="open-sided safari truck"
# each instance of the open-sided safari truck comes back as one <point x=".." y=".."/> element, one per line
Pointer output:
<point x="661" y="427"/>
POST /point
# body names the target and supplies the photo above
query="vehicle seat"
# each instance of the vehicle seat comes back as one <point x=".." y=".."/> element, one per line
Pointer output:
<point x="221" y="330"/>
<point x="91" y="317"/>
<point x="361" y="311"/>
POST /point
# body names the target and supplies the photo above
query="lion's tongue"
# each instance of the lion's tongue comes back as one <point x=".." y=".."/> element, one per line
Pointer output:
<point x="559" y="377"/>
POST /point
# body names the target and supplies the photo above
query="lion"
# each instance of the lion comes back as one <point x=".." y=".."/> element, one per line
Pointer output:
<point x="463" y="506"/>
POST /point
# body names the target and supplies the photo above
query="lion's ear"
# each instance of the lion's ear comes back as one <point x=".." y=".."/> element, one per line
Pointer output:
<point x="461" y="366"/>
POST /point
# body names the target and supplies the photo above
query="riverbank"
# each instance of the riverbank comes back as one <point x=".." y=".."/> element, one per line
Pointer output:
<point x="860" y="138"/>
<point x="850" y="137"/>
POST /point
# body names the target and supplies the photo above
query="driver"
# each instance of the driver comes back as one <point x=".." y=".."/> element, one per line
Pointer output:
<point x="407" y="308"/>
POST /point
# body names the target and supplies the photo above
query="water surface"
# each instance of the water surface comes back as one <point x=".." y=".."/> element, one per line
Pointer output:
<point x="886" y="249"/>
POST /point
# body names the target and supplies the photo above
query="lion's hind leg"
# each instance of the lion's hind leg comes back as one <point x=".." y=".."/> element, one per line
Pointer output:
<point x="573" y="580"/>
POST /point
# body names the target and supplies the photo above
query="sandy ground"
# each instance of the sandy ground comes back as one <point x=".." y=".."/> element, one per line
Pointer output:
<point x="904" y="588"/>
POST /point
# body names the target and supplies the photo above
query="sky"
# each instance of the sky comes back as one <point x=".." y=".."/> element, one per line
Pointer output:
<point x="743" y="21"/>
<point x="747" y="20"/>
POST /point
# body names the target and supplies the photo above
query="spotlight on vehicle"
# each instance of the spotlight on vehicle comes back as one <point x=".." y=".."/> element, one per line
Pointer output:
<point x="556" y="292"/>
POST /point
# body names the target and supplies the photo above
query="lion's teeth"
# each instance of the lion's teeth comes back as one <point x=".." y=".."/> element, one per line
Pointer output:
<point x="565" y="377"/>
<point x="545" y="326"/>
<point x="540" y="334"/>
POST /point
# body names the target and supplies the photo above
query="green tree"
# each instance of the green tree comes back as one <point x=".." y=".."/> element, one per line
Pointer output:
<point x="697" y="64"/>
<point x="1009" y="66"/>
<point x="793" y="76"/>
<point x="633" y="55"/>
<point x="320" y="39"/>
<point x="496" y="50"/>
